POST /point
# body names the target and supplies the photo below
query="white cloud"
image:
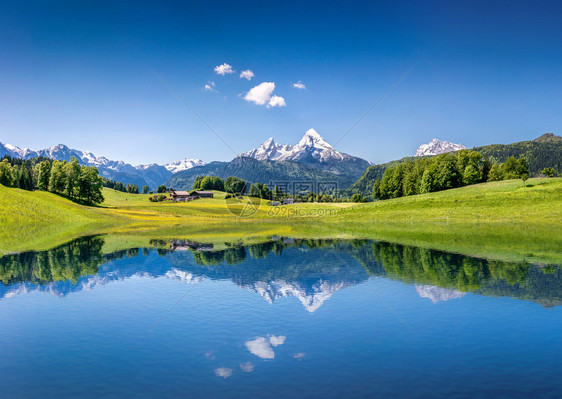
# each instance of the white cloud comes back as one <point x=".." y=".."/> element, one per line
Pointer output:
<point x="210" y="86"/>
<point x="224" y="69"/>
<point x="262" y="347"/>
<point x="247" y="367"/>
<point x="223" y="372"/>
<point x="277" y="340"/>
<point x="299" y="355"/>
<point x="261" y="93"/>
<point x="247" y="74"/>
<point x="276" y="101"/>
<point x="299" y="85"/>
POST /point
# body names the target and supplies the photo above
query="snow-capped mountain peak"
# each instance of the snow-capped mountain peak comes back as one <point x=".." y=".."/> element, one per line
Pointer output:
<point x="184" y="164"/>
<point x="313" y="139"/>
<point x="312" y="297"/>
<point x="436" y="147"/>
<point x="311" y="148"/>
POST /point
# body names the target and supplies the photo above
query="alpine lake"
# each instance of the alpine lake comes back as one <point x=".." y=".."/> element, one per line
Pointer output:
<point x="286" y="318"/>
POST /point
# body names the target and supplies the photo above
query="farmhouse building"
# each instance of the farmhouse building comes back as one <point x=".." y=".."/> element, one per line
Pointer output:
<point x="182" y="196"/>
<point x="203" y="194"/>
<point x="179" y="195"/>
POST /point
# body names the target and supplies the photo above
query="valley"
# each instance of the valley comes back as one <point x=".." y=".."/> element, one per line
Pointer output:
<point x="501" y="220"/>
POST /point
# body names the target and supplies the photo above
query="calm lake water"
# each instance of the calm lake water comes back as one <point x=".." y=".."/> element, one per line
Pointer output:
<point x="284" y="319"/>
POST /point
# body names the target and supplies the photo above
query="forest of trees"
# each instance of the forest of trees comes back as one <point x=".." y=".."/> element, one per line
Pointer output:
<point x="77" y="182"/>
<point x="126" y="188"/>
<point x="426" y="175"/>
<point x="236" y="186"/>
<point x="209" y="183"/>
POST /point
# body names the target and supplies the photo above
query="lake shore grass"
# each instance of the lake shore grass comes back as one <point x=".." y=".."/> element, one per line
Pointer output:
<point x="501" y="220"/>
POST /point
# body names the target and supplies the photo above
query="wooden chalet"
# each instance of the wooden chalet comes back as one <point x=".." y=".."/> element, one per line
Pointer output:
<point x="182" y="196"/>
<point x="203" y="194"/>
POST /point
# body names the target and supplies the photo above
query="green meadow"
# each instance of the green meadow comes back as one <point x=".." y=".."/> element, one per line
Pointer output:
<point x="501" y="220"/>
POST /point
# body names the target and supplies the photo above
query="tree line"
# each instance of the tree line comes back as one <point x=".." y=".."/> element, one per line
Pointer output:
<point x="234" y="186"/>
<point x="426" y="175"/>
<point x="126" y="188"/>
<point x="77" y="182"/>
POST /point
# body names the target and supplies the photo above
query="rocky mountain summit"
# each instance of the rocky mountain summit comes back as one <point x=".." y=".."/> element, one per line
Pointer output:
<point x="436" y="147"/>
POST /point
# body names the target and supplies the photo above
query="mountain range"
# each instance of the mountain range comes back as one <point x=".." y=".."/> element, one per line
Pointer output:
<point x="312" y="159"/>
<point x="151" y="175"/>
<point x="312" y="148"/>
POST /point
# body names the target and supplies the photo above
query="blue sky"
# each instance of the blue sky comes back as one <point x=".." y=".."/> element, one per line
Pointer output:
<point x="79" y="73"/>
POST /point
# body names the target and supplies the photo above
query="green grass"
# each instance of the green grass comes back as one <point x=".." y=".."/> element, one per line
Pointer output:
<point x="501" y="220"/>
<point x="41" y="220"/>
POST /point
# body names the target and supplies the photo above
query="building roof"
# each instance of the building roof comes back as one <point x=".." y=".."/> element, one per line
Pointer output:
<point x="181" y="193"/>
<point x="203" y="192"/>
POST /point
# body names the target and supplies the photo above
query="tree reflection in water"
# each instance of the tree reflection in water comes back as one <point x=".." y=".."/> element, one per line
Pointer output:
<point x="301" y="265"/>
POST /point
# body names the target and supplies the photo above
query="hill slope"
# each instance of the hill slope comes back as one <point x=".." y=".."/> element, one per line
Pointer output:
<point x="254" y="171"/>
<point x="39" y="219"/>
<point x="502" y="220"/>
<point x="544" y="151"/>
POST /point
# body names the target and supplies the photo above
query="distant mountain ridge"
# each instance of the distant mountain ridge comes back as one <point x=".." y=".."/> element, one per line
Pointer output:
<point x="544" y="151"/>
<point x="312" y="159"/>
<point x="151" y="175"/>
<point x="436" y="147"/>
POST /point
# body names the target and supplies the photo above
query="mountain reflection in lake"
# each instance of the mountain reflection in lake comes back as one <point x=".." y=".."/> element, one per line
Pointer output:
<point x="284" y="318"/>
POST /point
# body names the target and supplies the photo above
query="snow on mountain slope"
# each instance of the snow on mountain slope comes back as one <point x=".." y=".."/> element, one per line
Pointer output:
<point x="152" y="175"/>
<point x="312" y="148"/>
<point x="269" y="150"/>
<point x="184" y="164"/>
<point x="311" y="297"/>
<point x="436" y="147"/>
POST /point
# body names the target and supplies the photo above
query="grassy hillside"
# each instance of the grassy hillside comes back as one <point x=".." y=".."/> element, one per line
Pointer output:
<point x="38" y="220"/>
<point x="499" y="220"/>
<point x="503" y="218"/>
<point x="544" y="151"/>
